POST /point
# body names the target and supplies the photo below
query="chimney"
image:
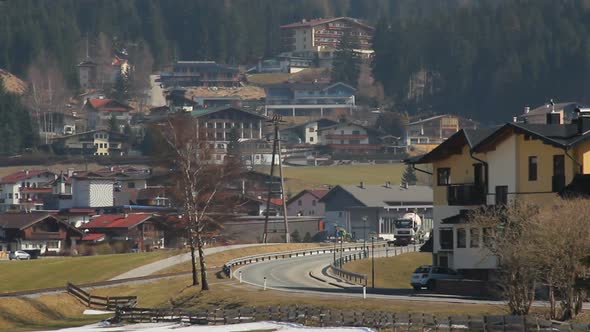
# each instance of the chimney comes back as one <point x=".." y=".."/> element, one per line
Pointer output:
<point x="26" y="172"/>
<point x="70" y="172"/>
<point x="583" y="120"/>
<point x="515" y="119"/>
<point x="527" y="110"/>
<point x="362" y="185"/>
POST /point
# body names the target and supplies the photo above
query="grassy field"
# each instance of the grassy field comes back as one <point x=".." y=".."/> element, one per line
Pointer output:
<point x="217" y="260"/>
<point x="298" y="178"/>
<point x="392" y="272"/>
<point x="55" y="272"/>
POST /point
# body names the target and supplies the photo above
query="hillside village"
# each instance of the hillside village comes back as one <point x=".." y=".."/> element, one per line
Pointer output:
<point x="197" y="154"/>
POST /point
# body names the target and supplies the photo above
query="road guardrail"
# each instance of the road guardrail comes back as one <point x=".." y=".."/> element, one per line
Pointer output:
<point x="229" y="266"/>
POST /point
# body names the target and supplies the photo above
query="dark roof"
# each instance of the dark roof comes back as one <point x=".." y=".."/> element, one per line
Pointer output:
<point x="21" y="221"/>
<point x="206" y="66"/>
<point x="307" y="86"/>
<point x="558" y="135"/>
<point x="201" y="113"/>
<point x="314" y="22"/>
<point x="379" y="195"/>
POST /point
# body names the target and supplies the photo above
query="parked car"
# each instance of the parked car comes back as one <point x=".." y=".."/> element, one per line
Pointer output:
<point x="425" y="276"/>
<point x="19" y="254"/>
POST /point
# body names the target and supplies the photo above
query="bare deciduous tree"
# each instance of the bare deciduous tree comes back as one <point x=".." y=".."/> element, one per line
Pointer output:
<point x="507" y="236"/>
<point x="199" y="183"/>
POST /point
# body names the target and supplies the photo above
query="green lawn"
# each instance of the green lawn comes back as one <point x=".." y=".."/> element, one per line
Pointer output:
<point x="392" y="272"/>
<point x="305" y="177"/>
<point x="55" y="272"/>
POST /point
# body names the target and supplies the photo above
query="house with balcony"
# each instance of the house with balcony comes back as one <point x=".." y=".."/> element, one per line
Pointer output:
<point x="303" y="102"/>
<point x="24" y="190"/>
<point x="201" y="74"/>
<point x="99" y="142"/>
<point x="142" y="231"/>
<point x="349" y="138"/>
<point x="477" y="168"/>
<point x="100" y="113"/>
<point x="363" y="209"/>
<point x="37" y="233"/>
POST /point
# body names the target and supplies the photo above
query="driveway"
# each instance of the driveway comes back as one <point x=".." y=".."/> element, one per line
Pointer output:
<point x="154" y="267"/>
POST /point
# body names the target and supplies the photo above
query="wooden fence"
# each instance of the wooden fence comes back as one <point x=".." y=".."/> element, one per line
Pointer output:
<point x="101" y="302"/>
<point x="311" y="316"/>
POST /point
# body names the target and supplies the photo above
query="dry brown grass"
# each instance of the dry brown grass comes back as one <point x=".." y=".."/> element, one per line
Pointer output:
<point x="392" y="272"/>
<point x="43" y="312"/>
<point x="12" y="83"/>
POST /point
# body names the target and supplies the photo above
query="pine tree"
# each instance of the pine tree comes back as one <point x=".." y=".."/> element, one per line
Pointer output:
<point x="233" y="145"/>
<point x="121" y="88"/>
<point x="346" y="63"/>
<point x="409" y="176"/>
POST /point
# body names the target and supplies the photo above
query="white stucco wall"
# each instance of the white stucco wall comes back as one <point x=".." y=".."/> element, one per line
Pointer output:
<point x="502" y="167"/>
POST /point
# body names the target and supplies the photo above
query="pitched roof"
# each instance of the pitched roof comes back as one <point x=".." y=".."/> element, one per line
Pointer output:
<point x="23" y="175"/>
<point x="204" y="112"/>
<point x="379" y="195"/>
<point x="317" y="193"/>
<point x="314" y="22"/>
<point x="307" y="86"/>
<point x="546" y="108"/>
<point x="21" y="221"/>
<point x="117" y="221"/>
<point x="108" y="105"/>
<point x="207" y="66"/>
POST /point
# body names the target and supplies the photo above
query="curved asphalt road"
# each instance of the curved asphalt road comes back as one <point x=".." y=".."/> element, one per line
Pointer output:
<point x="292" y="275"/>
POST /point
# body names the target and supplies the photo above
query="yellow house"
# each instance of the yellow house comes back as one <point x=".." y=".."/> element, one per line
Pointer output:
<point x="534" y="162"/>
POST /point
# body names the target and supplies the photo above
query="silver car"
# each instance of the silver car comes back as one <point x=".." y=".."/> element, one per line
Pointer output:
<point x="425" y="276"/>
<point x="19" y="254"/>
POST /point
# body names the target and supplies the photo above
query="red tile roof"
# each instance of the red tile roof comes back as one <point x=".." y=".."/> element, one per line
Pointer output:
<point x="319" y="193"/>
<point x="276" y="201"/>
<point x="109" y="105"/>
<point x="116" y="221"/>
<point x="93" y="237"/>
<point x="22" y="175"/>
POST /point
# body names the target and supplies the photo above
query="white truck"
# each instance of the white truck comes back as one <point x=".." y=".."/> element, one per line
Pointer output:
<point x="408" y="230"/>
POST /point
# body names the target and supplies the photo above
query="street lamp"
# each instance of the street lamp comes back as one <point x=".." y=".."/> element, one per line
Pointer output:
<point x="365" y="234"/>
<point x="335" y="238"/>
<point x="372" y="261"/>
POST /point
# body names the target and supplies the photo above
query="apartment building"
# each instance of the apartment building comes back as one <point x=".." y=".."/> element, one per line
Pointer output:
<point x="348" y="137"/>
<point x="321" y="37"/>
<point x="24" y="190"/>
<point x="218" y="124"/>
<point x="476" y="168"/>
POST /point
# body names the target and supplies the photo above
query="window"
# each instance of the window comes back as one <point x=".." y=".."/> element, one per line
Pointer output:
<point x="340" y="214"/>
<point x="299" y="203"/>
<point x="311" y="139"/>
<point x="461" y="238"/>
<point x="532" y="168"/>
<point x="130" y="185"/>
<point x="446" y="238"/>
<point x="356" y="132"/>
<point x="474" y="237"/>
<point x="312" y="129"/>
<point x="501" y="195"/>
<point x="313" y="203"/>
<point x="443" y="176"/>
<point x="10" y="195"/>
<point x="15" y="195"/>
<point x="52" y="244"/>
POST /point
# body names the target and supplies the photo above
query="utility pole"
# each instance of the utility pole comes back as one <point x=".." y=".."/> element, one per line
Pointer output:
<point x="276" y="145"/>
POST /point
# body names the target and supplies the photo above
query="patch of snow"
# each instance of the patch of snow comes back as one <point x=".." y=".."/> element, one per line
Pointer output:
<point x="97" y="312"/>
<point x="167" y="327"/>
